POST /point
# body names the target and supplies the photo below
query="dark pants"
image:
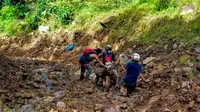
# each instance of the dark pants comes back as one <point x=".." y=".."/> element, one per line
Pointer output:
<point x="89" y="70"/>
<point x="130" y="89"/>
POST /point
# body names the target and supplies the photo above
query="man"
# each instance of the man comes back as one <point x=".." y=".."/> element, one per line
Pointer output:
<point x="110" y="75"/>
<point x="85" y="61"/>
<point x="132" y="69"/>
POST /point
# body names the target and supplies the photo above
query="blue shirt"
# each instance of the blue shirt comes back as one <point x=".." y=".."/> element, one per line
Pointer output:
<point x="86" y="59"/>
<point x="133" y="70"/>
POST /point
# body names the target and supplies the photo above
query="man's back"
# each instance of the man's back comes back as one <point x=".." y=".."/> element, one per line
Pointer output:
<point x="133" y="70"/>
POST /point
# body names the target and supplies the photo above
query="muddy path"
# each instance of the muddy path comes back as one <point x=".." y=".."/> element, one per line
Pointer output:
<point x="29" y="84"/>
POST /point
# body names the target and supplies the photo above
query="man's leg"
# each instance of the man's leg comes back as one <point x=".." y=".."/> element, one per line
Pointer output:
<point x="82" y="72"/>
<point x="130" y="89"/>
<point x="89" y="70"/>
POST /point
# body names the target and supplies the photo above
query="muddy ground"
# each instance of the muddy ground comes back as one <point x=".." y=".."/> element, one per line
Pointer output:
<point x="173" y="74"/>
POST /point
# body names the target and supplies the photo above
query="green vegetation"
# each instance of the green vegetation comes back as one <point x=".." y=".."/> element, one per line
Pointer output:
<point x="135" y="19"/>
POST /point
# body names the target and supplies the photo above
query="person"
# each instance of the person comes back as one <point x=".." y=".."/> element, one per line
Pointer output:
<point x="133" y="69"/>
<point x="109" y="76"/>
<point x="85" y="62"/>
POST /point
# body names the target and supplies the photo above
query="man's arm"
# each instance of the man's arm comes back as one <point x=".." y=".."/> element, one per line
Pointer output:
<point x="96" y="57"/>
<point x="122" y="66"/>
<point x="141" y="75"/>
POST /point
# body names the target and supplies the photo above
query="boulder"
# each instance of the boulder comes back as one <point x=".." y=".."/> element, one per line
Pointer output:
<point x="61" y="105"/>
<point x="187" y="9"/>
<point x="98" y="107"/>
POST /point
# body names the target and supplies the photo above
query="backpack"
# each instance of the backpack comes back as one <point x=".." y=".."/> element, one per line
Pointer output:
<point x="88" y="50"/>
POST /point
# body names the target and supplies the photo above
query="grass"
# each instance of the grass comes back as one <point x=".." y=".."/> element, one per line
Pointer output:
<point x="143" y="20"/>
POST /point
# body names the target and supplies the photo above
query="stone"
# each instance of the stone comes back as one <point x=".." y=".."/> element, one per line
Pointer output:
<point x="148" y="60"/>
<point x="52" y="110"/>
<point x="176" y="107"/>
<point x="197" y="50"/>
<point x="112" y="110"/>
<point x="187" y="69"/>
<point x="116" y="102"/>
<point x="157" y="80"/>
<point x="89" y="90"/>
<point x="48" y="100"/>
<point x="98" y="107"/>
<point x="166" y="47"/>
<point x="198" y="100"/>
<point x="187" y="84"/>
<point x="124" y="106"/>
<point x="198" y="67"/>
<point x="61" y="105"/>
<point x="36" y="77"/>
<point x="175" y="46"/>
<point x="43" y="29"/>
<point x="191" y="104"/>
<point x="187" y="9"/>
<point x="167" y="110"/>
<point x="153" y="99"/>
<point x="122" y="99"/>
<point x="177" y="70"/>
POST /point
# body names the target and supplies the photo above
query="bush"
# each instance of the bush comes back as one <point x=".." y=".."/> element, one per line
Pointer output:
<point x="161" y="4"/>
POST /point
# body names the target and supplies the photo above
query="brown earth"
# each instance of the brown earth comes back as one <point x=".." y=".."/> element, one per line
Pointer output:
<point x="173" y="86"/>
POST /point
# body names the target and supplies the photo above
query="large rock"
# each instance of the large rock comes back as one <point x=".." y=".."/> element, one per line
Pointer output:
<point x="98" y="107"/>
<point x="191" y="104"/>
<point x="148" y="60"/>
<point x="187" y="84"/>
<point x="167" y="110"/>
<point x="187" y="9"/>
<point x="43" y="29"/>
<point x="124" y="106"/>
<point x="187" y="69"/>
<point x="61" y="105"/>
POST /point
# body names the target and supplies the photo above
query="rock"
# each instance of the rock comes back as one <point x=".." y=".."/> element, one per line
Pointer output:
<point x="52" y="110"/>
<point x="116" y="102"/>
<point x="175" y="46"/>
<point x="187" y="9"/>
<point x="153" y="99"/>
<point x="36" y="77"/>
<point x="43" y="29"/>
<point x="157" y="80"/>
<point x="198" y="100"/>
<point x="122" y="99"/>
<point x="89" y="90"/>
<point x="166" y="47"/>
<point x="58" y="95"/>
<point x="198" y="67"/>
<point x="197" y="50"/>
<point x="167" y="110"/>
<point x="184" y="59"/>
<point x="113" y="110"/>
<point x="61" y="105"/>
<point x="187" y="69"/>
<point x="187" y="84"/>
<point x="191" y="104"/>
<point x="48" y="100"/>
<point x="1" y="106"/>
<point x="19" y="73"/>
<point x="176" y="107"/>
<point x="177" y="70"/>
<point x="124" y="106"/>
<point x="198" y="58"/>
<point x="171" y="97"/>
<point x="26" y="107"/>
<point x="148" y="59"/>
<point x="98" y="107"/>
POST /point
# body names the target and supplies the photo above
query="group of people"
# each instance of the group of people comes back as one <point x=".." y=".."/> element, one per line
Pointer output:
<point x="103" y="63"/>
